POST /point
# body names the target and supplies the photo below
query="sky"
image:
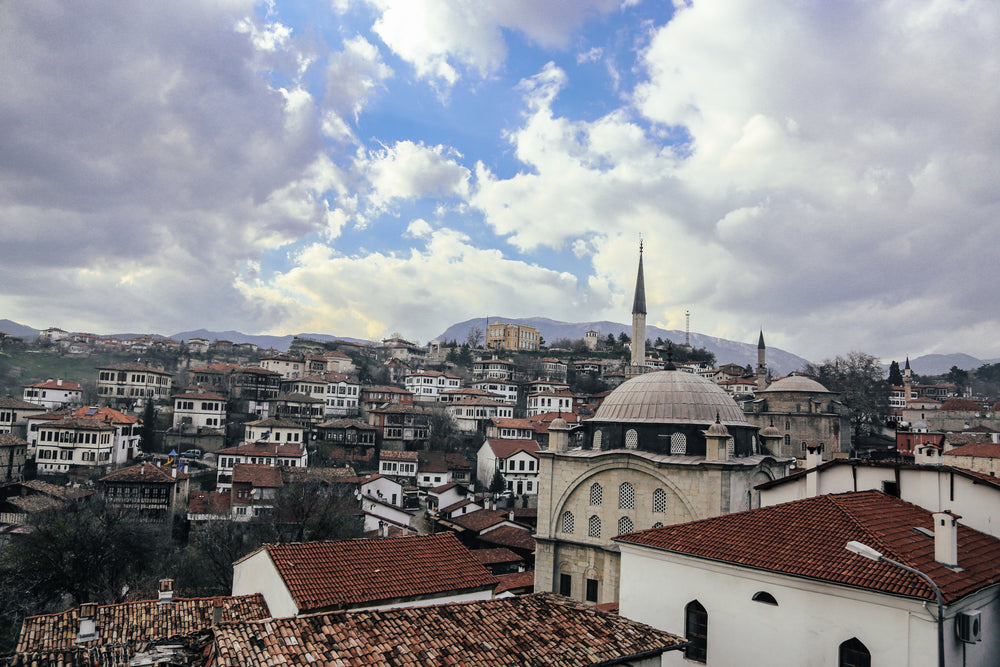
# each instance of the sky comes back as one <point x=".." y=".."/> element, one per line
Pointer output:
<point x="827" y="172"/>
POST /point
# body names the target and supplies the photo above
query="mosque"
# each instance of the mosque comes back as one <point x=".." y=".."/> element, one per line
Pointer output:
<point x="664" y="447"/>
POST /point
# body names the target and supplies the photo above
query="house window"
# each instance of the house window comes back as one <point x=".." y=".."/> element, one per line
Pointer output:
<point x="696" y="631"/>
<point x="765" y="598"/>
<point x="625" y="525"/>
<point x="596" y="494"/>
<point x="659" y="501"/>
<point x="591" y="590"/>
<point x="854" y="654"/>
<point x="567" y="522"/>
<point x="565" y="585"/>
<point x="594" y="526"/>
<point x="626" y="496"/>
<point x="788" y="424"/>
<point x="678" y="444"/>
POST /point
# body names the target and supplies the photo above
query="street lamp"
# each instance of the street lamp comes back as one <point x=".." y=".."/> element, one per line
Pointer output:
<point x="871" y="554"/>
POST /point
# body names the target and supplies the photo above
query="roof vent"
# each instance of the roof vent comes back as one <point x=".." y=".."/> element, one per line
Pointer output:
<point x="946" y="538"/>
<point x="166" y="591"/>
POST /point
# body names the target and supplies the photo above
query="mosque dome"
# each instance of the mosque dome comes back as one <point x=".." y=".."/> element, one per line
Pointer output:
<point x="669" y="397"/>
<point x="796" y="383"/>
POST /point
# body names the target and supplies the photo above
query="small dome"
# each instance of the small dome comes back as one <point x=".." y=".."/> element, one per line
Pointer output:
<point x="559" y="424"/>
<point x="796" y="383"/>
<point x="769" y="432"/>
<point x="717" y="430"/>
<point x="670" y="397"/>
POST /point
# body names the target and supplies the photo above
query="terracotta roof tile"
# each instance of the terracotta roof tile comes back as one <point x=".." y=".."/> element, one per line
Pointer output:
<point x="977" y="449"/>
<point x="505" y="448"/>
<point x="480" y="519"/>
<point x="132" y="623"/>
<point x="510" y="536"/>
<point x="259" y="476"/>
<point x="806" y="538"/>
<point x="515" y="580"/>
<point x="544" y="630"/>
<point x="67" y="385"/>
<point x="209" y="502"/>
<point x="147" y="473"/>
<point x="324" y="575"/>
<point x="497" y="555"/>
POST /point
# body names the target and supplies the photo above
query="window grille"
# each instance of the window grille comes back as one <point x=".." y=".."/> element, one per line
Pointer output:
<point x="626" y="496"/>
<point x="659" y="501"/>
<point x="596" y="494"/>
<point x="594" y="526"/>
<point x="567" y="522"/>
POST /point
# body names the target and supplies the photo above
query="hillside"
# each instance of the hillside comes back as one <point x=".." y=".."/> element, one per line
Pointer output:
<point x="726" y="351"/>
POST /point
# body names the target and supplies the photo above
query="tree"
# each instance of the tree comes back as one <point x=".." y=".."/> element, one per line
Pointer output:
<point x="895" y="376"/>
<point x="958" y="377"/>
<point x="497" y="485"/>
<point x="623" y="338"/>
<point x="474" y="338"/>
<point x="611" y="342"/>
<point x="863" y="390"/>
<point x="147" y="434"/>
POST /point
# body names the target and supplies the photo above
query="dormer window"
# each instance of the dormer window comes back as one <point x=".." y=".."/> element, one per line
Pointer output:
<point x="765" y="598"/>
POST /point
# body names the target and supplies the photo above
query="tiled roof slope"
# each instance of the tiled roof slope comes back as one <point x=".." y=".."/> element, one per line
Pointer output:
<point x="132" y="623"/>
<point x="806" y="538"/>
<point x="978" y="449"/>
<point x="494" y="556"/>
<point x="329" y="575"/>
<point x="540" y="630"/>
<point x="515" y="580"/>
<point x="505" y="448"/>
<point x="510" y="536"/>
<point x="145" y="472"/>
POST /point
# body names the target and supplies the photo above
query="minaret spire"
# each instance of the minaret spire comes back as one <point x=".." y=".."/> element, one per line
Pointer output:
<point x="761" y="363"/>
<point x="638" y="365"/>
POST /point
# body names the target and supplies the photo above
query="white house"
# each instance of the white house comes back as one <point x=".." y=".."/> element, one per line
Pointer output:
<point x="507" y="391"/>
<point x="269" y="442"/>
<point x="471" y="415"/>
<point x="289" y="367"/>
<point x="132" y="384"/>
<point x="549" y="401"/>
<point x="68" y="443"/>
<point x="308" y="577"/>
<point x="273" y="430"/>
<point x="199" y="409"/>
<point x="516" y="461"/>
<point x="776" y="585"/>
<point x="53" y="394"/>
<point x="17" y="413"/>
<point x="198" y="345"/>
<point x="427" y="386"/>
<point x="342" y="395"/>
<point x="398" y="465"/>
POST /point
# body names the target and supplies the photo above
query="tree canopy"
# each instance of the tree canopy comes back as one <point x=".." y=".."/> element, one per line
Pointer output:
<point x="860" y="380"/>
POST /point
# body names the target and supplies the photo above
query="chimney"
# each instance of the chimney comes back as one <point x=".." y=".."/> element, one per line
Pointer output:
<point x="173" y="472"/>
<point x="814" y="458"/>
<point x="59" y="382"/>
<point x="927" y="454"/>
<point x="716" y="441"/>
<point x="217" y="612"/>
<point x="383" y="529"/>
<point x="946" y="538"/>
<point x="166" y="591"/>
<point x="88" y="622"/>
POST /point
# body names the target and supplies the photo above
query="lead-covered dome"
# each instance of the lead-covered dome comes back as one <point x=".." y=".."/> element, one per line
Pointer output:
<point x="796" y="383"/>
<point x="670" y="397"/>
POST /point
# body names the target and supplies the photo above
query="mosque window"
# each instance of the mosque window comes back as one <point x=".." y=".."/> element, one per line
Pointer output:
<point x="659" y="501"/>
<point x="678" y="444"/>
<point x="788" y="440"/>
<point x="591" y="590"/>
<point x="731" y="447"/>
<point x="596" y="494"/>
<point x="696" y="631"/>
<point x="594" y="526"/>
<point x="598" y="436"/>
<point x="854" y="654"/>
<point x="788" y="424"/>
<point x="625" y="525"/>
<point x="631" y="439"/>
<point x="567" y="522"/>
<point x="626" y="496"/>
<point x="658" y="524"/>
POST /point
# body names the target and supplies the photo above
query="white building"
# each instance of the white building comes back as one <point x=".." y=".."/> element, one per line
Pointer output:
<point x="288" y="367"/>
<point x="549" y="401"/>
<point x="427" y="385"/>
<point x="516" y="461"/>
<point x="342" y="395"/>
<point x="507" y="391"/>
<point x="70" y="443"/>
<point x="53" y="394"/>
<point x="471" y="415"/>
<point x="132" y="384"/>
<point x="199" y="409"/>
<point x="401" y="466"/>
<point x="776" y="585"/>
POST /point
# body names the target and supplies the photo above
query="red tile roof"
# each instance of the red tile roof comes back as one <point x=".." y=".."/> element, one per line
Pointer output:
<point x="434" y="461"/>
<point x="329" y="575"/>
<point x="806" y="538"/>
<point x="132" y="623"/>
<point x="505" y="448"/>
<point x="977" y="449"/>
<point x="146" y="473"/>
<point x="105" y="413"/>
<point x="395" y="455"/>
<point x="209" y="502"/>
<point x="516" y="580"/>
<point x="510" y="536"/>
<point x="285" y="449"/>
<point x="259" y="476"/>
<point x="543" y="630"/>
<point x="66" y="385"/>
<point x="480" y="519"/>
<point x="497" y="555"/>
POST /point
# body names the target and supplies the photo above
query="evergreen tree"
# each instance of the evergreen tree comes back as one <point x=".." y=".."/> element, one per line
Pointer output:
<point x="147" y="434"/>
<point x="895" y="376"/>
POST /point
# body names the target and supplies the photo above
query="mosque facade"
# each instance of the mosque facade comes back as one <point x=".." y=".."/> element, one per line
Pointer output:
<point x="664" y="447"/>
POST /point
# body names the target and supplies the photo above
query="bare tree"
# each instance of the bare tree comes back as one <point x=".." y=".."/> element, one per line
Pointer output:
<point x="474" y="338"/>
<point x="861" y="382"/>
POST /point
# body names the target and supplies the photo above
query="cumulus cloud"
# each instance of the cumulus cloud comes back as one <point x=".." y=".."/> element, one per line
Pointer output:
<point x="353" y="75"/>
<point x="440" y="38"/>
<point x="409" y="170"/>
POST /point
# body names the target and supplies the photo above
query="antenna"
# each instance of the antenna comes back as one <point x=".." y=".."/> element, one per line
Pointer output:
<point x="687" y="328"/>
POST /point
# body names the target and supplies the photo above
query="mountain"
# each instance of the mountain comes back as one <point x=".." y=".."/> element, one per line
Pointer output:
<point x="18" y="330"/>
<point x="940" y="364"/>
<point x="281" y="343"/>
<point x="726" y="351"/>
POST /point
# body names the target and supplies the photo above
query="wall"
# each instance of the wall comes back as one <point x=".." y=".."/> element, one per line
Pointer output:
<point x="256" y="574"/>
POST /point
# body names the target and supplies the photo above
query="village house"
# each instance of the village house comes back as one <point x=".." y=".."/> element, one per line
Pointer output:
<point x="382" y="395"/>
<point x="146" y="493"/>
<point x="775" y="585"/>
<point x="517" y="429"/>
<point x="305" y="578"/>
<point x="502" y="390"/>
<point x="426" y="386"/>
<point x="399" y="465"/>
<point x="313" y="386"/>
<point x="550" y="368"/>
<point x="302" y="409"/>
<point x="400" y="426"/>
<point x="471" y="415"/>
<point x="285" y="365"/>
<point x="515" y="461"/>
<point x="70" y="443"/>
<point x="13" y="455"/>
<point x="509" y="336"/>
<point x="549" y="401"/>
<point x="20" y="501"/>
<point x="130" y="385"/>
<point x="436" y="468"/>
<point x="338" y="362"/>
<point x="252" y="389"/>
<point x="982" y="457"/>
<point x="54" y="394"/>
<point x="347" y="439"/>
<point x="194" y="410"/>
<point x="493" y="369"/>
<point x="342" y="395"/>
<point x="14" y="414"/>
<point x="255" y="490"/>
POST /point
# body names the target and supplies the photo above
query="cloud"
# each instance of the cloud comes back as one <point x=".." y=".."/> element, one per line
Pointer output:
<point x="353" y="75"/>
<point x="442" y="38"/>
<point x="408" y="170"/>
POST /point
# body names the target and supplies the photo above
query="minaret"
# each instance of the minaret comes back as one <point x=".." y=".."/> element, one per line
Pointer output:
<point x="761" y="363"/>
<point x="638" y="365"/>
<point x="907" y="383"/>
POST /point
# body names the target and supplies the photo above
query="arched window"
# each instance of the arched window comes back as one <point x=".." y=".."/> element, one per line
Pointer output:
<point x="594" y="526"/>
<point x="631" y="439"/>
<point x="567" y="522"/>
<point x="765" y="597"/>
<point x="658" y="524"/>
<point x="596" y="494"/>
<point x="788" y="440"/>
<point x="731" y="447"/>
<point x="678" y="444"/>
<point x="696" y="631"/>
<point x="598" y="436"/>
<point x="854" y="654"/>
<point x="625" y="525"/>
<point x="788" y="424"/>
<point x="626" y="496"/>
<point x="659" y="501"/>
